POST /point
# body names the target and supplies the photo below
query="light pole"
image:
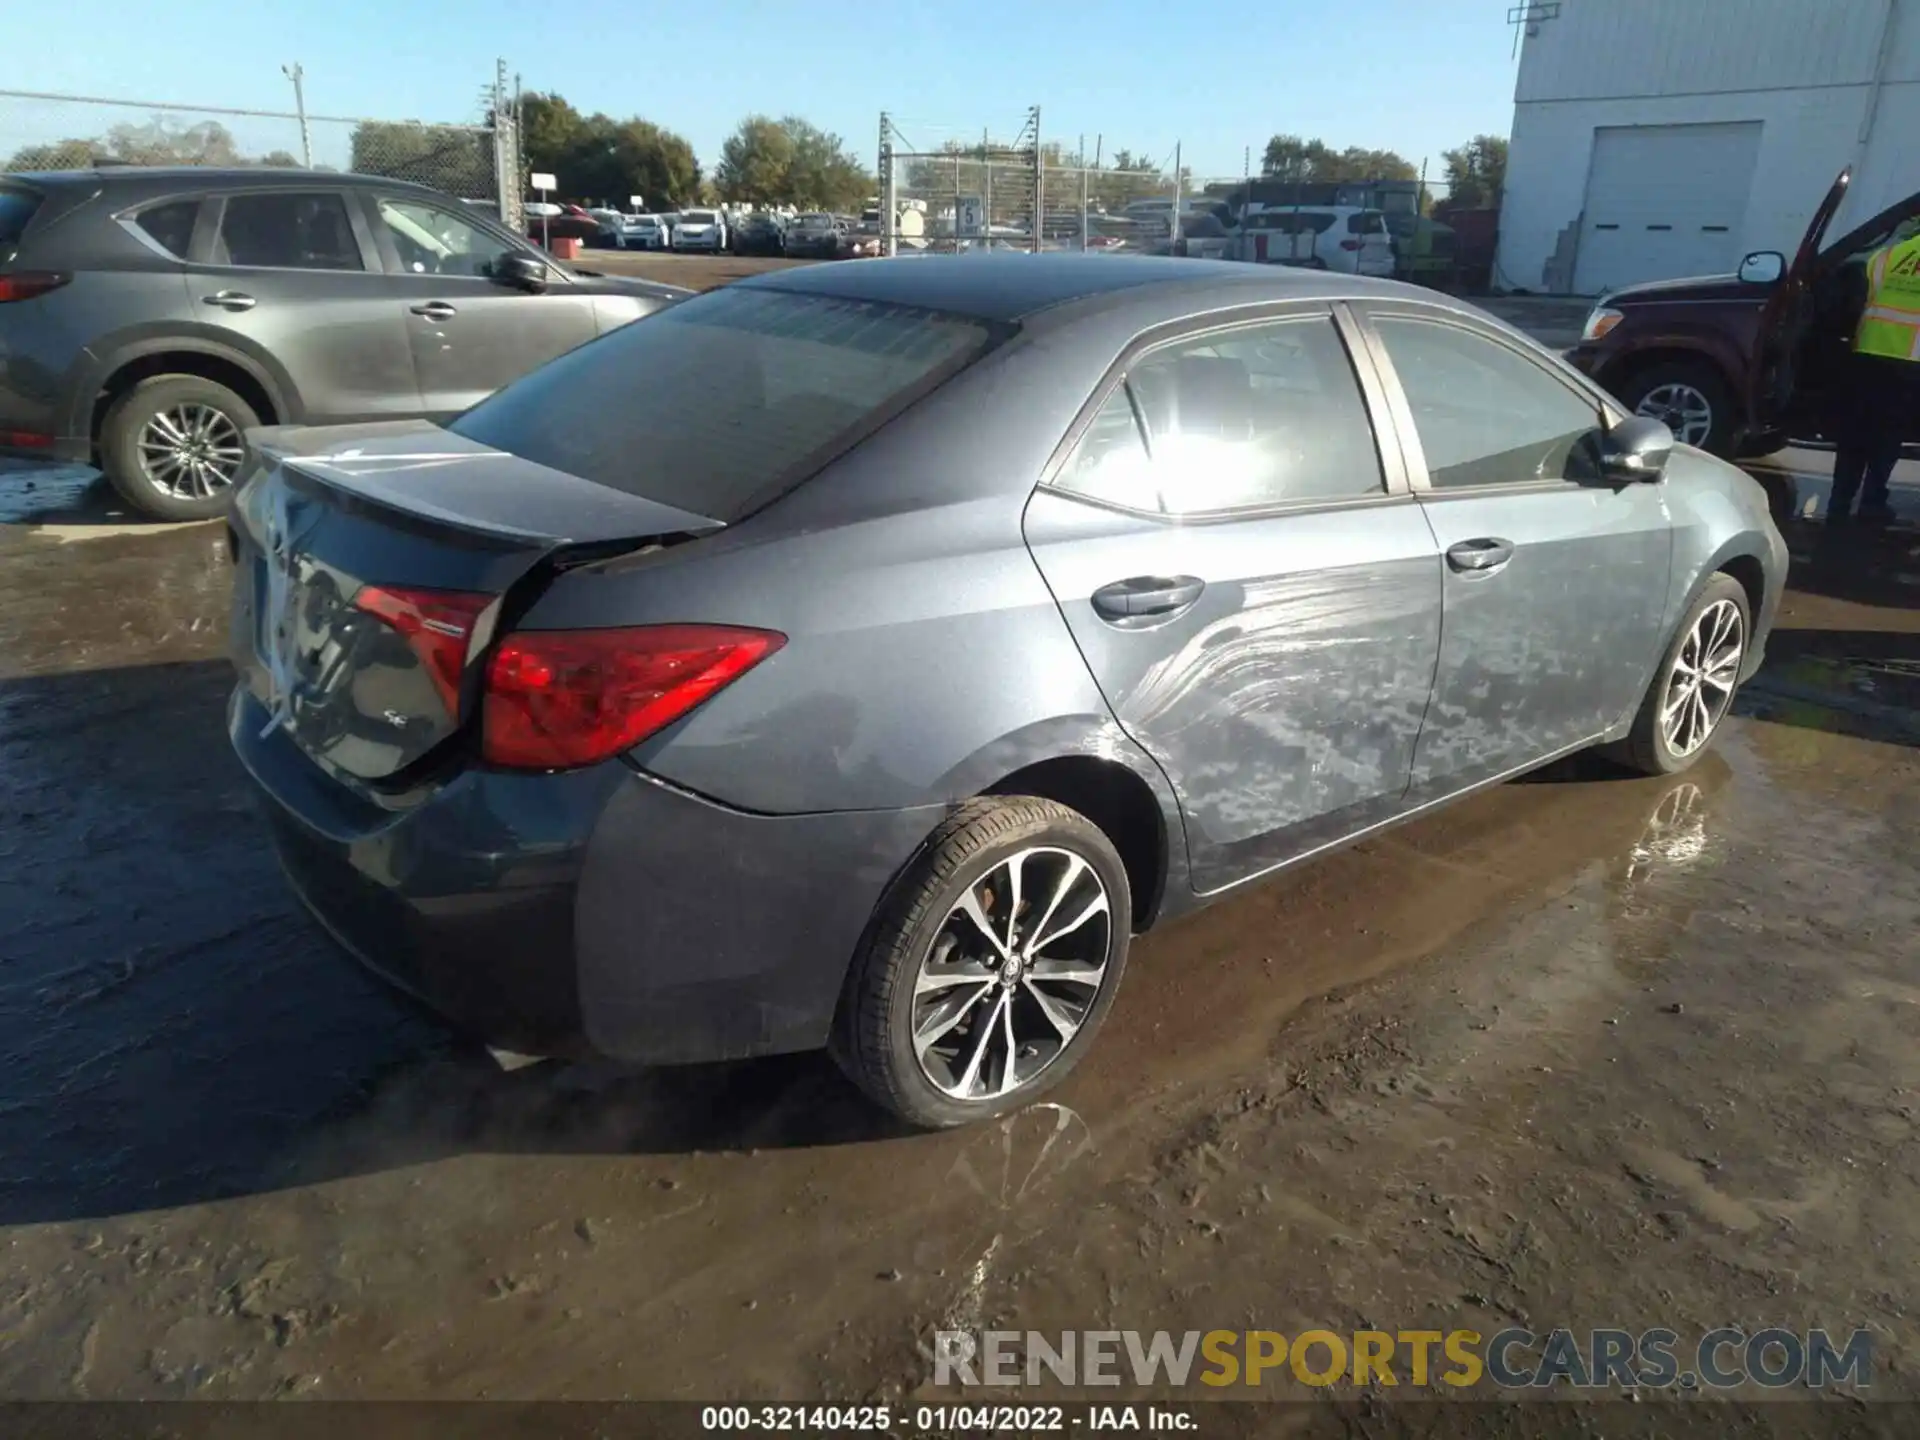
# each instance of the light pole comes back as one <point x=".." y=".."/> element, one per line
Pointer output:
<point x="294" y="73"/>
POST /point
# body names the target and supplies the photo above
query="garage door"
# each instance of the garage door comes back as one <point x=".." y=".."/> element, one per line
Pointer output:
<point x="1664" y="201"/>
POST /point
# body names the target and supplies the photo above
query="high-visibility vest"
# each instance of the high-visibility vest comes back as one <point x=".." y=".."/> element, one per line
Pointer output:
<point x="1890" y="326"/>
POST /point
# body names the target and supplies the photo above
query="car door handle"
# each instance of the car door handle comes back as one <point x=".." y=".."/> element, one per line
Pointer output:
<point x="1147" y="595"/>
<point x="435" y="310"/>
<point x="230" y="300"/>
<point x="1480" y="556"/>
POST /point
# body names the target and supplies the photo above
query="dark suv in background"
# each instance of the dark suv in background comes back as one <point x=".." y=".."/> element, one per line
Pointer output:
<point x="1740" y="364"/>
<point x="149" y="317"/>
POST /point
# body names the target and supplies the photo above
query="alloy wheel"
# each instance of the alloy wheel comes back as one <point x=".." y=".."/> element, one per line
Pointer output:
<point x="1701" y="681"/>
<point x="1682" y="409"/>
<point x="1012" y="974"/>
<point x="190" y="451"/>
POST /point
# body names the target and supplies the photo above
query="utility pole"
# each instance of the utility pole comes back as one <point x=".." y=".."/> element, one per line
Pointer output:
<point x="1080" y="154"/>
<point x="296" y="74"/>
<point x="1176" y="198"/>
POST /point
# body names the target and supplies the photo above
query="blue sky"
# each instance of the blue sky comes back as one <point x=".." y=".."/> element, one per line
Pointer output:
<point x="1417" y="76"/>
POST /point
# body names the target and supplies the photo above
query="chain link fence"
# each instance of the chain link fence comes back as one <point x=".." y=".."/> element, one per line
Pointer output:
<point x="40" y="131"/>
<point x="944" y="194"/>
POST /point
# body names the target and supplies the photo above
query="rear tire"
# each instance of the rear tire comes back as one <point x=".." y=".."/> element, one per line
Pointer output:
<point x="943" y="1024"/>
<point x="1691" y="397"/>
<point x="139" y="427"/>
<point x="1703" y="645"/>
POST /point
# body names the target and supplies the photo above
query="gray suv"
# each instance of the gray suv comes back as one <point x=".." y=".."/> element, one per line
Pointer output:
<point x="149" y="317"/>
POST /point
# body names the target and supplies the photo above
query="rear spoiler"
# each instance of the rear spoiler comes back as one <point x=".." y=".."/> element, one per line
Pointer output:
<point x="417" y="469"/>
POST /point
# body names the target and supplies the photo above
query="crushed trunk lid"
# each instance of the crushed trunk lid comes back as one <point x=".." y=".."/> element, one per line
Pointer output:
<point x="375" y="563"/>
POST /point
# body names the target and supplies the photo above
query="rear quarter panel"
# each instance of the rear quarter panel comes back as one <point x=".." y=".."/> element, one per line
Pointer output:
<point x="925" y="656"/>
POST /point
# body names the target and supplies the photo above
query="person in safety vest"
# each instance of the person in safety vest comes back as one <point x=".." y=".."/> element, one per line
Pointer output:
<point x="1883" y="383"/>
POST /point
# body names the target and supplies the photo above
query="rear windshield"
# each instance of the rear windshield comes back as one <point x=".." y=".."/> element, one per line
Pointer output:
<point x="16" y="209"/>
<point x="719" y="404"/>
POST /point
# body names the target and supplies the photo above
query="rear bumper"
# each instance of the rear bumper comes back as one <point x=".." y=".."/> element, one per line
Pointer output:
<point x="36" y="412"/>
<point x="593" y="912"/>
<point x="60" y="449"/>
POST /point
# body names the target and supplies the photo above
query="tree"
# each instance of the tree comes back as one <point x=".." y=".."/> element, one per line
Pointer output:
<point x="755" y="162"/>
<point x="824" y="175"/>
<point x="596" y="157"/>
<point x="1289" y="157"/>
<point x="1476" y="173"/>
<point x="159" y="141"/>
<point x="457" y="161"/>
<point x="791" y="161"/>
<point x="59" y="155"/>
<point x="549" y="130"/>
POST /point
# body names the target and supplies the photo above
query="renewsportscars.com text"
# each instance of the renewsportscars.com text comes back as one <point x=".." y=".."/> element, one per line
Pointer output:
<point x="1722" y="1359"/>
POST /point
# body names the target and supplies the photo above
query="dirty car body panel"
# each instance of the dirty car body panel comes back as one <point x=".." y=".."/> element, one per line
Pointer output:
<point x="886" y="484"/>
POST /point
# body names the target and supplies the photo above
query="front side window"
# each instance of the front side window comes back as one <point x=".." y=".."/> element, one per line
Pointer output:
<point x="1241" y="419"/>
<point x="1485" y="414"/>
<point x="432" y="241"/>
<point x="287" y="229"/>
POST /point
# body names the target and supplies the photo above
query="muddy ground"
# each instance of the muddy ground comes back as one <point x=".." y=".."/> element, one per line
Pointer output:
<point x="1583" y="1051"/>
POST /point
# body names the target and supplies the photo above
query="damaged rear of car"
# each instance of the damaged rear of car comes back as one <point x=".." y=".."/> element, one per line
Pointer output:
<point x="441" y="690"/>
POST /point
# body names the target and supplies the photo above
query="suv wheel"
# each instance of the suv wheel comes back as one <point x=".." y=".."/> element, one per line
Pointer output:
<point x="991" y="965"/>
<point x="1690" y="397"/>
<point x="173" y="445"/>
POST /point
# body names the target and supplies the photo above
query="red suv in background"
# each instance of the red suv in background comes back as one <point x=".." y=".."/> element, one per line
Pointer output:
<point x="1739" y="364"/>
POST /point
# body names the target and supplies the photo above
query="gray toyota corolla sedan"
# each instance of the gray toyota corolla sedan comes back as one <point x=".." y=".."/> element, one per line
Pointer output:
<point x="857" y="656"/>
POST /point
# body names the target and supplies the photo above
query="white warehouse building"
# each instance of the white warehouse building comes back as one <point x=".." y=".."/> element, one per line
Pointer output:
<point x="1659" y="138"/>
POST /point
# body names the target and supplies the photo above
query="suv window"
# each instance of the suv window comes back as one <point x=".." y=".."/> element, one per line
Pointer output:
<point x="719" y="403"/>
<point x="1240" y="419"/>
<point x="287" y="229"/>
<point x="432" y="241"/>
<point x="171" y="225"/>
<point x="16" y="209"/>
<point x="1485" y="414"/>
<point x="1367" y="222"/>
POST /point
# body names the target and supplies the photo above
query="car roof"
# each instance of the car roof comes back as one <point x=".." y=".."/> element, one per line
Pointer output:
<point x="169" y="177"/>
<point x="1007" y="287"/>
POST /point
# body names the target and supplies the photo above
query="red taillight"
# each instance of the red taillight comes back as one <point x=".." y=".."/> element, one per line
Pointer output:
<point x="560" y="698"/>
<point x="438" y="625"/>
<point x="25" y="284"/>
<point x="1350" y="244"/>
<point x="26" y="439"/>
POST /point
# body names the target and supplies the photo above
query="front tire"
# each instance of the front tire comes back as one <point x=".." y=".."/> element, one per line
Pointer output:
<point x="173" y="446"/>
<point x="990" y="966"/>
<point x="1693" y="688"/>
<point x="1691" y="397"/>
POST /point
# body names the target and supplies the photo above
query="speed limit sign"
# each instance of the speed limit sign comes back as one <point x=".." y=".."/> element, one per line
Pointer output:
<point x="970" y="215"/>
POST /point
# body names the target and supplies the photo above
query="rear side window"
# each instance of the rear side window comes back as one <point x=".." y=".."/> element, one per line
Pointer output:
<point x="288" y="229"/>
<point x="171" y="225"/>
<point x="1242" y="419"/>
<point x="1367" y="222"/>
<point x="16" y="209"/>
<point x="718" y="404"/>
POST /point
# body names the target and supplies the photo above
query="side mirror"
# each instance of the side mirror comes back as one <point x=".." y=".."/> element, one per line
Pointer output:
<point x="1636" y="450"/>
<point x="1763" y="267"/>
<point x="520" y="272"/>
